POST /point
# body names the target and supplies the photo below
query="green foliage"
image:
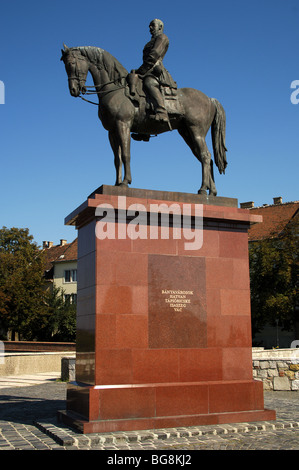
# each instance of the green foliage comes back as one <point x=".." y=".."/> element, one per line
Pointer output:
<point x="61" y="324"/>
<point x="274" y="280"/>
<point x="26" y="306"/>
<point x="21" y="279"/>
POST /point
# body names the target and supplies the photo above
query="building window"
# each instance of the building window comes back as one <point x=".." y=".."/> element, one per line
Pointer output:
<point x="71" y="298"/>
<point x="70" y="275"/>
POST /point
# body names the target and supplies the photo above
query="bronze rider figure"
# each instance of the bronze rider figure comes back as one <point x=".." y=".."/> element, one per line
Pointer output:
<point x="152" y="71"/>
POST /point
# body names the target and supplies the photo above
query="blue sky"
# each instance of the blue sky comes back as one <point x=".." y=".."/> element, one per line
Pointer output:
<point x="54" y="151"/>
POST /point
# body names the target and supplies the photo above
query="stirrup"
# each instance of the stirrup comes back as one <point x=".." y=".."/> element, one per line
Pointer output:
<point x="161" y="117"/>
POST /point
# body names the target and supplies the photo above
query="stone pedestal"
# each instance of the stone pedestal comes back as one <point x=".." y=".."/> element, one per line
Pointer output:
<point x="163" y="321"/>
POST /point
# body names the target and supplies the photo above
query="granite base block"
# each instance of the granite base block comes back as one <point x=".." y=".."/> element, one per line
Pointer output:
<point x="163" y="331"/>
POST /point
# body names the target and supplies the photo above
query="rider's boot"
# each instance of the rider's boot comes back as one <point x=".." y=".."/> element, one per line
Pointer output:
<point x="159" y="106"/>
<point x="161" y="114"/>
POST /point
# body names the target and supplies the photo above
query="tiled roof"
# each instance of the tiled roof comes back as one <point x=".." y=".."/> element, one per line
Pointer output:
<point x="58" y="253"/>
<point x="275" y="219"/>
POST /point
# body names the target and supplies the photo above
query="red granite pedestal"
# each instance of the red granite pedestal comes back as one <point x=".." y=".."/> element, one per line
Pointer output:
<point x="163" y="331"/>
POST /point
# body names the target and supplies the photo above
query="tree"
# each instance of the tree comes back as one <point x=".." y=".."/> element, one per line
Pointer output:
<point x="274" y="268"/>
<point x="21" y="281"/>
<point x="61" y="324"/>
<point x="27" y="309"/>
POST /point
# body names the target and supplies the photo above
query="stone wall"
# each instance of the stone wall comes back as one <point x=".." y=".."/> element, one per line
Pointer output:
<point x="277" y="374"/>
<point x="37" y="346"/>
<point x="278" y="369"/>
<point x="31" y="363"/>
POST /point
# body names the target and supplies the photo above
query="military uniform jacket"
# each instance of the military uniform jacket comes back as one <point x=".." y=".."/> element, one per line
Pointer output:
<point x="153" y="54"/>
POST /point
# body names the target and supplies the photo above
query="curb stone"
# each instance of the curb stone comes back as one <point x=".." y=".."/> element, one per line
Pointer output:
<point x="67" y="437"/>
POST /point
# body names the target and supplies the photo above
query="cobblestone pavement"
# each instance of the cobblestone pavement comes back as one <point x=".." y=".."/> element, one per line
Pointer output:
<point x="28" y="422"/>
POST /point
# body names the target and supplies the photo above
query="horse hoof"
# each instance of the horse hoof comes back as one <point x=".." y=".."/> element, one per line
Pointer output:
<point x="124" y="184"/>
<point x="202" y="191"/>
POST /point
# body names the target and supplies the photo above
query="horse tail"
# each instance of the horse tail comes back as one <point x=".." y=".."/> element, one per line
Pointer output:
<point x="218" y="136"/>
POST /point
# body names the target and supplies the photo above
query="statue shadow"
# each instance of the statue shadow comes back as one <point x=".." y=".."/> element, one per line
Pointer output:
<point x="25" y="405"/>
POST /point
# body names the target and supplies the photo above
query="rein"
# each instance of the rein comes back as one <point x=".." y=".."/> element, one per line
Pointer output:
<point x="100" y="91"/>
<point x="87" y="101"/>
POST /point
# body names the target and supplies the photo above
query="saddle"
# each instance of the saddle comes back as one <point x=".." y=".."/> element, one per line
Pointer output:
<point x="136" y="93"/>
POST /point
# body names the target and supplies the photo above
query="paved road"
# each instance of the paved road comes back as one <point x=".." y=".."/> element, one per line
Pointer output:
<point x="28" y="422"/>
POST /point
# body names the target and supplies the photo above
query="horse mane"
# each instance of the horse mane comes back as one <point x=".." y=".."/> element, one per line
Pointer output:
<point x="103" y="59"/>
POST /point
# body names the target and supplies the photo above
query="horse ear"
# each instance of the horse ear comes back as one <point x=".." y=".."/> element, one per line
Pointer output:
<point x="64" y="51"/>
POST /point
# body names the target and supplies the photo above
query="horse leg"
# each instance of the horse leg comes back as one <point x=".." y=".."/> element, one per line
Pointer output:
<point x="125" y="148"/>
<point x="207" y="174"/>
<point x="196" y="142"/>
<point x="117" y="157"/>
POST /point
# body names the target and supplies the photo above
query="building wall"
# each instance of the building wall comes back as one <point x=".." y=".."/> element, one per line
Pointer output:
<point x="59" y="276"/>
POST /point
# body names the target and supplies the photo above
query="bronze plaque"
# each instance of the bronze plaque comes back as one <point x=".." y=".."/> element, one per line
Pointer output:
<point x="177" y="302"/>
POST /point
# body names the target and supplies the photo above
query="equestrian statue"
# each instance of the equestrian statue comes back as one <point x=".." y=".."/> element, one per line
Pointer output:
<point x="147" y="102"/>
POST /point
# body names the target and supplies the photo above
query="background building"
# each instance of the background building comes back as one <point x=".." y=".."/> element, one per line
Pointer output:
<point x="61" y="267"/>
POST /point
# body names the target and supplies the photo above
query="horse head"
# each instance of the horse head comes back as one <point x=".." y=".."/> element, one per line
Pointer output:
<point x="76" y="67"/>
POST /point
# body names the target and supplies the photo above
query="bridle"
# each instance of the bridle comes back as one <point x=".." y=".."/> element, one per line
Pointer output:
<point x="80" y="80"/>
<point x="80" y="77"/>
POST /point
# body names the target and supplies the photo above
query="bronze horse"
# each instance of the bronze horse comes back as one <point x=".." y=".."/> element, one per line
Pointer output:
<point x="195" y="113"/>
